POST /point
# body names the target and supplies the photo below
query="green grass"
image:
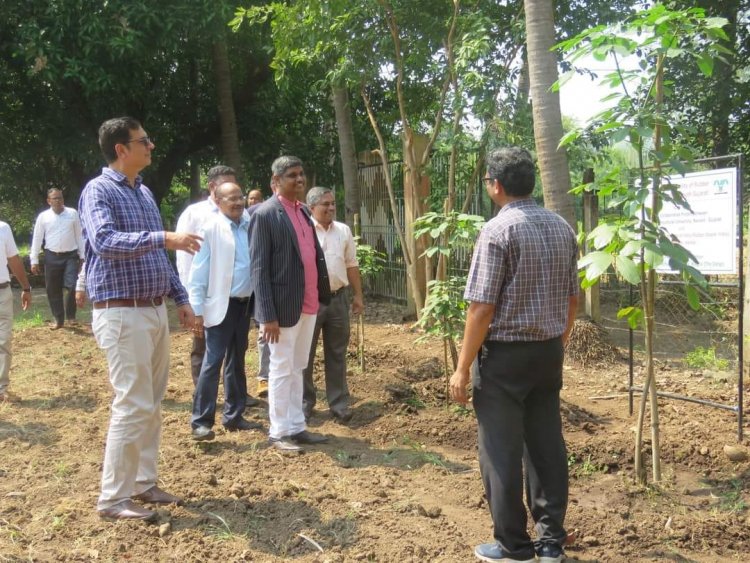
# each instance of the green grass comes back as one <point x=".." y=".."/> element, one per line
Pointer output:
<point x="731" y="500"/>
<point x="28" y="319"/>
<point x="702" y="358"/>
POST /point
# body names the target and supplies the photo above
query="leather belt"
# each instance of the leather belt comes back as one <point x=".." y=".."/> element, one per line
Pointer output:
<point x="339" y="290"/>
<point x="4" y="285"/>
<point x="110" y="303"/>
<point x="66" y="253"/>
<point x="239" y="299"/>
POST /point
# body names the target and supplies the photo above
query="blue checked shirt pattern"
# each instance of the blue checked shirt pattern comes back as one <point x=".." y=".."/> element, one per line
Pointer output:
<point x="124" y="242"/>
<point x="525" y="263"/>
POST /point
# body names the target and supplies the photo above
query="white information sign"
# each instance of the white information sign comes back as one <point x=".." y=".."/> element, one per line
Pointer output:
<point x="710" y="231"/>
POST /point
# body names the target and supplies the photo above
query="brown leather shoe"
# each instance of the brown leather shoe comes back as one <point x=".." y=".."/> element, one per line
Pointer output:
<point x="156" y="495"/>
<point x="8" y="397"/>
<point x="127" y="509"/>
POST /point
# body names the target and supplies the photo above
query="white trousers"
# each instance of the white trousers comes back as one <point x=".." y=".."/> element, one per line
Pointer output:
<point x="288" y="360"/>
<point x="136" y="341"/>
<point x="6" y="335"/>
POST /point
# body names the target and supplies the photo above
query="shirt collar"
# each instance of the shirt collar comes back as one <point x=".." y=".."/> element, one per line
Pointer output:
<point x="318" y="225"/>
<point x="525" y="202"/>
<point x="243" y="224"/>
<point x="288" y="203"/>
<point x="120" y="178"/>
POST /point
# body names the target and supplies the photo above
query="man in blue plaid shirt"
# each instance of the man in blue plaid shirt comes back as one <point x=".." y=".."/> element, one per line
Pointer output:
<point x="523" y="291"/>
<point x="128" y="277"/>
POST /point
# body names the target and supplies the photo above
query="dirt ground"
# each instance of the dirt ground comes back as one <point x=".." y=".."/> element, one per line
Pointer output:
<point x="399" y="483"/>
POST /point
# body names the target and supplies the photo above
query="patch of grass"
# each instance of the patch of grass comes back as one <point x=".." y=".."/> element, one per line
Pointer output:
<point x="222" y="531"/>
<point x="584" y="467"/>
<point x="415" y="402"/>
<point x="62" y="470"/>
<point x="28" y="319"/>
<point x="701" y="358"/>
<point x="731" y="500"/>
<point x="462" y="411"/>
<point x="422" y="456"/>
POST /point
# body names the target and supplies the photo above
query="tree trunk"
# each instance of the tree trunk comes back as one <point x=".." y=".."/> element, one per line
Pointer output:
<point x="553" y="161"/>
<point x="348" y="150"/>
<point x="230" y="144"/>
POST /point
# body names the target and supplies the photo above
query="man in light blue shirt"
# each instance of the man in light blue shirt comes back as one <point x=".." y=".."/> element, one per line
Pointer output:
<point x="219" y="290"/>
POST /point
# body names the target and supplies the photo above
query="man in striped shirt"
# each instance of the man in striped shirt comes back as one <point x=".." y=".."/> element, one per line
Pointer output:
<point x="523" y="290"/>
<point x="128" y="277"/>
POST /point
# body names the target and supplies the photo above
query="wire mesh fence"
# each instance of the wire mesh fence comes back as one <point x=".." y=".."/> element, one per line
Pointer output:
<point x="704" y="338"/>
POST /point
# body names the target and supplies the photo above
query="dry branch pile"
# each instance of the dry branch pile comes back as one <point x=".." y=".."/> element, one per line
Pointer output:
<point x="589" y="345"/>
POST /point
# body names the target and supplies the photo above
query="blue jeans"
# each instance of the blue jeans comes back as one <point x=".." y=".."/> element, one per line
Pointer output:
<point x="225" y="342"/>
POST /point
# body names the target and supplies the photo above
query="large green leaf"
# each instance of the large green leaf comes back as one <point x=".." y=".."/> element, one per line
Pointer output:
<point x="628" y="269"/>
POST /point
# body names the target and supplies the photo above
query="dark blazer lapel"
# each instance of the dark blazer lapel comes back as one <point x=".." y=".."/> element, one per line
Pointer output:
<point x="288" y="224"/>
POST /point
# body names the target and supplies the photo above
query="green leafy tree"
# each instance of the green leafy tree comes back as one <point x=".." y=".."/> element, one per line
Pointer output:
<point x="636" y="244"/>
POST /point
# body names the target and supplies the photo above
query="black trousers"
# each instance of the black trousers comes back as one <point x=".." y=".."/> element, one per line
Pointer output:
<point x="517" y="402"/>
<point x="227" y="343"/>
<point x="61" y="271"/>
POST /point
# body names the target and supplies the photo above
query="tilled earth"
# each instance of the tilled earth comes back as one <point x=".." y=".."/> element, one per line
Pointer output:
<point x="399" y="483"/>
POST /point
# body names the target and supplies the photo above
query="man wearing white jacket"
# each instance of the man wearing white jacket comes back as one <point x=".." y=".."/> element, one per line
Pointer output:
<point x="219" y="290"/>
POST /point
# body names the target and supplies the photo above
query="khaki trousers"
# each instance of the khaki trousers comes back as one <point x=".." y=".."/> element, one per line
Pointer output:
<point x="136" y="342"/>
<point x="6" y="335"/>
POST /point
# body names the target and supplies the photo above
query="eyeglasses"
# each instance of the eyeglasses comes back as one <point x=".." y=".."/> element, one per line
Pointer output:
<point x="488" y="180"/>
<point x="145" y="141"/>
<point x="294" y="175"/>
<point x="235" y="199"/>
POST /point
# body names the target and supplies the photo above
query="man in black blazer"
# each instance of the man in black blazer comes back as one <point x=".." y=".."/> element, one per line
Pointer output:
<point x="289" y="279"/>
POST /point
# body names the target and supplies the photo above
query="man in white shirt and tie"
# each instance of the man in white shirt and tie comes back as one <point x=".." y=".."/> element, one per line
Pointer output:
<point x="59" y="228"/>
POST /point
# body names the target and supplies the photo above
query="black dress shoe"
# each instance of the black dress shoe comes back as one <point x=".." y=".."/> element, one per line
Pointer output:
<point x="306" y="437"/>
<point x="243" y="424"/>
<point x="251" y="401"/>
<point x="202" y="433"/>
<point x="127" y="510"/>
<point x="343" y="415"/>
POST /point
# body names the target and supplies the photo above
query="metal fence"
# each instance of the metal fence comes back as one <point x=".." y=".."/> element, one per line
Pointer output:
<point x="378" y="229"/>
<point x="707" y="337"/>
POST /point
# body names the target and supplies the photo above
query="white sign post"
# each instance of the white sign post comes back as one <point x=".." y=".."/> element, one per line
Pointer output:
<point x="710" y="231"/>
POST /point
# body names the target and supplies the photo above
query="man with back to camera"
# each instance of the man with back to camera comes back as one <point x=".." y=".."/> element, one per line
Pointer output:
<point x="289" y="281"/>
<point x="219" y="291"/>
<point x="9" y="256"/>
<point x="60" y="229"/>
<point x="128" y="276"/>
<point x="336" y="240"/>
<point x="523" y="289"/>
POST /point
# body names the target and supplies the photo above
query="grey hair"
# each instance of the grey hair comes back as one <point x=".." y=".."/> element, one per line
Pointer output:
<point x="284" y="163"/>
<point x="316" y="194"/>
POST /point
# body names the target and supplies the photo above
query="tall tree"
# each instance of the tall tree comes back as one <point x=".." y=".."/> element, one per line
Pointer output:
<point x="548" y="131"/>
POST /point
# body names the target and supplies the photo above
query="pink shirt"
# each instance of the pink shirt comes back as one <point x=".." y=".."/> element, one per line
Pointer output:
<point x="306" y="241"/>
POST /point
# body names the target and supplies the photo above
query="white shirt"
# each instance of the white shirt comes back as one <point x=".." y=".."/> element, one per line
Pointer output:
<point x="192" y="220"/>
<point x="338" y="246"/>
<point x="60" y="233"/>
<point x="7" y="250"/>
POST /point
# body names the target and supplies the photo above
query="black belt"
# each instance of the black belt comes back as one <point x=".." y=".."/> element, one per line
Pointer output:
<point x="66" y="253"/>
<point x="239" y="299"/>
<point x="339" y="290"/>
<point x="110" y="303"/>
<point x="4" y="285"/>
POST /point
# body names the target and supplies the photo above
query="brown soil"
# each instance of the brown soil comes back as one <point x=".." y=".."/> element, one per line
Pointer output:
<point x="399" y="483"/>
